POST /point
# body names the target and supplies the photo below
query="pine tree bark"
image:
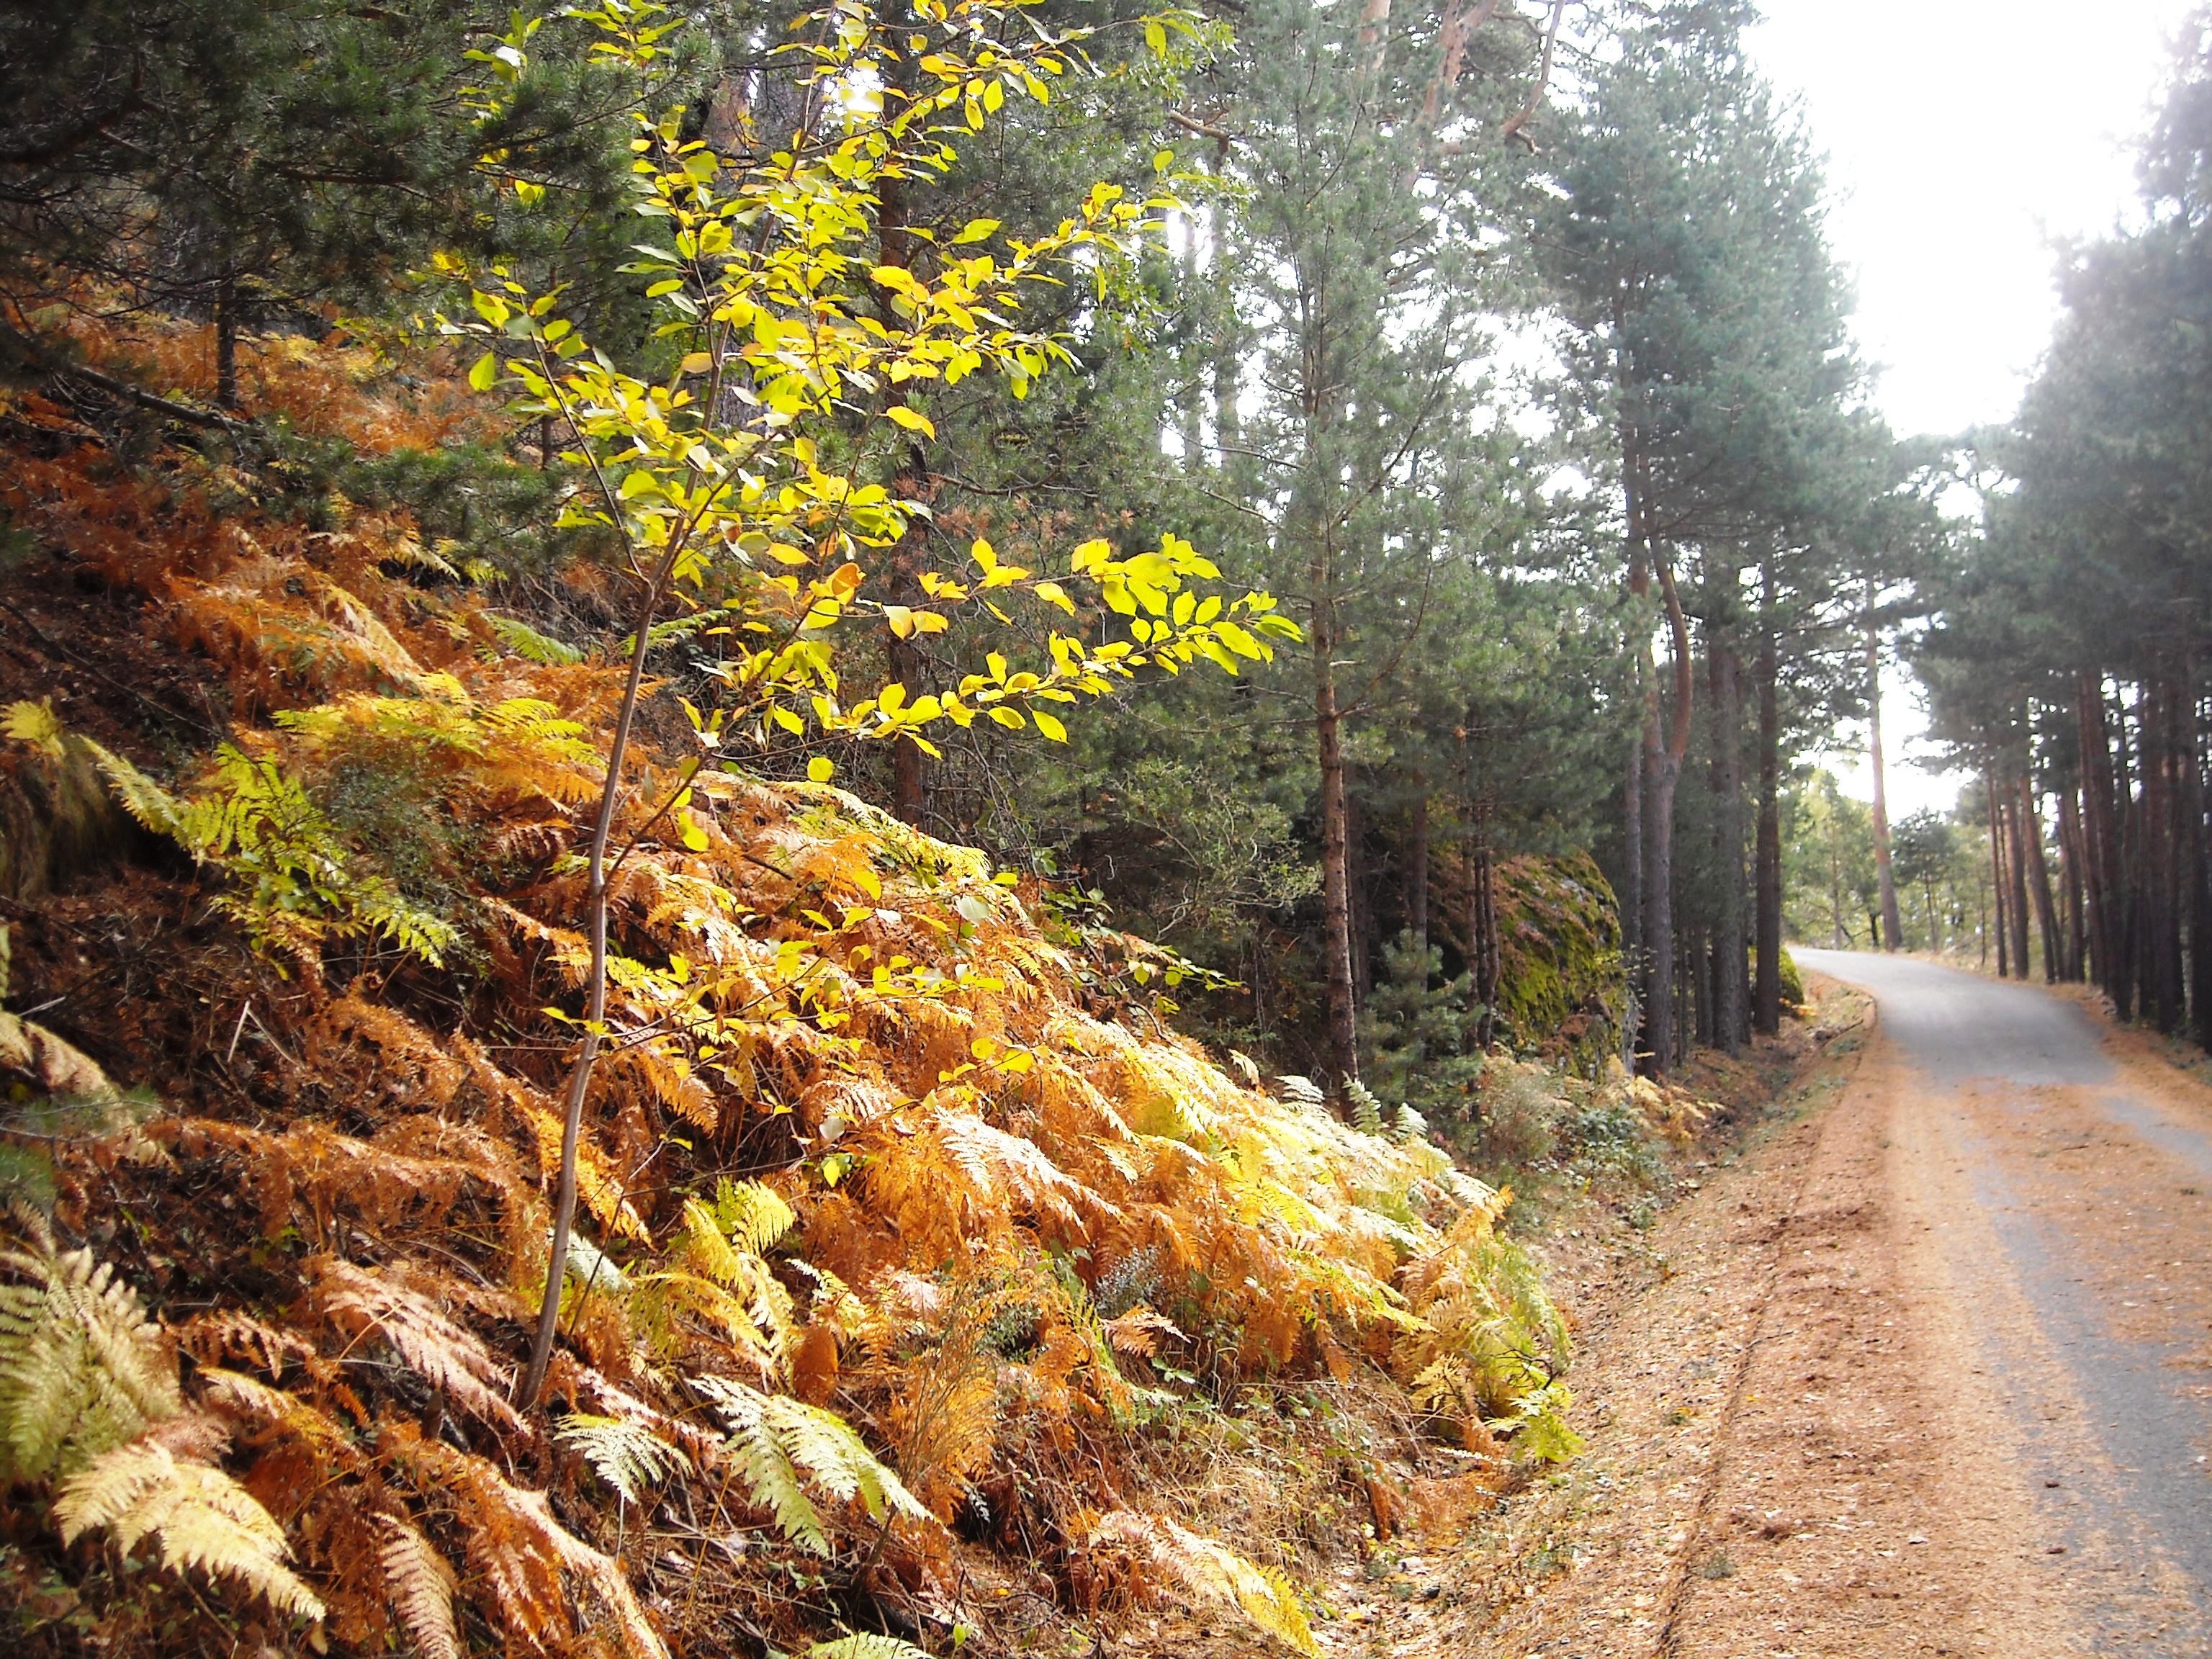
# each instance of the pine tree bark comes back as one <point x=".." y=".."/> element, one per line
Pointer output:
<point x="1632" y="952"/>
<point x="2104" y="832"/>
<point x="1342" y="1040"/>
<point x="1766" y="882"/>
<point x="2038" y="868"/>
<point x="226" y="341"/>
<point x="2070" y="860"/>
<point x="1416" y="865"/>
<point x="1483" y="954"/>
<point x="2200" y="879"/>
<point x="2163" y="793"/>
<point x="1998" y="870"/>
<point x="1885" y="881"/>
<point x="2016" y="876"/>
<point x="1665" y="747"/>
<point x="1731" y="950"/>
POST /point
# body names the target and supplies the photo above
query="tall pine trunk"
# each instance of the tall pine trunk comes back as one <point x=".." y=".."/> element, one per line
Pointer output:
<point x="2016" y="878"/>
<point x="2038" y="867"/>
<point x="1666" y="743"/>
<point x="1417" y="865"/>
<point x="1885" y="881"/>
<point x="1342" y="1033"/>
<point x="1766" y="881"/>
<point x="2070" y="876"/>
<point x="1483" y="957"/>
<point x="1998" y="870"/>
<point x="1633" y="948"/>
<point x="1731" y="950"/>
<point x="2104" y="827"/>
<point x="2199" y="855"/>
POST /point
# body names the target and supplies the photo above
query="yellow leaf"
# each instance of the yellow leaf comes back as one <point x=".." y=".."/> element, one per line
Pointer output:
<point x="912" y="420"/>
<point x="1049" y="725"/>
<point x="697" y="363"/>
<point x="820" y="770"/>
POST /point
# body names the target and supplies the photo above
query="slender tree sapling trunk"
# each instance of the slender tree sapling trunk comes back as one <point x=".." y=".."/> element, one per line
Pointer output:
<point x="904" y="661"/>
<point x="595" y="1006"/>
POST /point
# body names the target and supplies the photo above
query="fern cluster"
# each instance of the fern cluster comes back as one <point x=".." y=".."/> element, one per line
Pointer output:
<point x="87" y="1388"/>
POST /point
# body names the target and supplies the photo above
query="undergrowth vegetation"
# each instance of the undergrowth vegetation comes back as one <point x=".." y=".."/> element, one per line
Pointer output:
<point x="426" y="880"/>
<point x="908" y="1229"/>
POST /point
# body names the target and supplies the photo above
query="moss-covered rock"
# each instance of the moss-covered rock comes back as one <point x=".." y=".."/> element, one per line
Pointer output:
<point x="1559" y="968"/>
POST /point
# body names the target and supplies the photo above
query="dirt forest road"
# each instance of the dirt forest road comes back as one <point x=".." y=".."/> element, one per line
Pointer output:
<point x="1928" y="1371"/>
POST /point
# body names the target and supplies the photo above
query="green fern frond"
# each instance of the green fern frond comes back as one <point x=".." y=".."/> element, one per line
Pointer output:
<point x="154" y="807"/>
<point x="198" y="1514"/>
<point x="1366" y="1109"/>
<point x="82" y="1368"/>
<point x="753" y="1217"/>
<point x="36" y="723"/>
<point x="628" y="1457"/>
<point x="773" y="1437"/>
<point x="524" y="641"/>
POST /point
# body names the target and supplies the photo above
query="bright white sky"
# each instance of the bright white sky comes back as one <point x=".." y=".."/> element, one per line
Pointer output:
<point x="1963" y="137"/>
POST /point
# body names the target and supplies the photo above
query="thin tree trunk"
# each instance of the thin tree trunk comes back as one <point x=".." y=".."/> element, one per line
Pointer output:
<point x="2103" y="830"/>
<point x="2038" y="867"/>
<point x="1417" y="865"/>
<point x="1663" y="757"/>
<point x="1483" y="957"/>
<point x="1731" y="950"/>
<point x="1342" y="1050"/>
<point x="1634" y="955"/>
<point x="2016" y="875"/>
<point x="2200" y="875"/>
<point x="2070" y="866"/>
<point x="1767" y="883"/>
<point x="1982" y="913"/>
<point x="905" y="664"/>
<point x="1998" y="870"/>
<point x="226" y="341"/>
<point x="595" y="1003"/>
<point x="1885" y="881"/>
<point x="1360" y="886"/>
